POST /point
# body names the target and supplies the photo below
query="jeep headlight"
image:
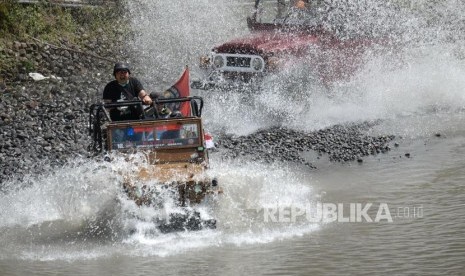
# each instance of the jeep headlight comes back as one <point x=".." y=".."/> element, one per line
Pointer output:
<point x="257" y="64"/>
<point x="198" y="188"/>
<point x="218" y="61"/>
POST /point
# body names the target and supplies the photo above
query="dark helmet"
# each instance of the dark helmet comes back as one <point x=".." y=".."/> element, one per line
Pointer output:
<point x="119" y="66"/>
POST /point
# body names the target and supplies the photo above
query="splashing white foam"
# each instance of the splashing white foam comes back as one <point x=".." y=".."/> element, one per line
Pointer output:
<point x="62" y="205"/>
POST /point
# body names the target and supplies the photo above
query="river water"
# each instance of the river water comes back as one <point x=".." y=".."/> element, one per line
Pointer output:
<point x="399" y="213"/>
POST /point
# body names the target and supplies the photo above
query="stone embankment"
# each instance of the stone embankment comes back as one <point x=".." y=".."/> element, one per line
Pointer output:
<point x="44" y="121"/>
<point x="340" y="143"/>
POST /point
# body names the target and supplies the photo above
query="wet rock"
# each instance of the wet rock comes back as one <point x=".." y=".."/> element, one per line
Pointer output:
<point x="22" y="135"/>
<point x="32" y="104"/>
<point x="47" y="120"/>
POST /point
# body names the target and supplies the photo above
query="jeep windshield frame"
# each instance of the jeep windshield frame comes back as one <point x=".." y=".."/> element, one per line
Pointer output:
<point x="100" y="119"/>
<point x="281" y="14"/>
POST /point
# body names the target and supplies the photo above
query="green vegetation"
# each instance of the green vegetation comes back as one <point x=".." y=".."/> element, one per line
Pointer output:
<point x="34" y="20"/>
<point x="54" y="24"/>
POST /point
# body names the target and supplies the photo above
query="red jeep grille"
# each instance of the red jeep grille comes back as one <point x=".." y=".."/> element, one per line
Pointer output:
<point x="238" y="61"/>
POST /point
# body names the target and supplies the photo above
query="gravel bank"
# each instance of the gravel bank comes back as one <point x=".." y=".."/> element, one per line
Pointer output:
<point x="341" y="143"/>
<point x="44" y="122"/>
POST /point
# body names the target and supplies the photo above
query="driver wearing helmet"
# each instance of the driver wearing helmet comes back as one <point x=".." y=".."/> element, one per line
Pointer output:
<point x="124" y="88"/>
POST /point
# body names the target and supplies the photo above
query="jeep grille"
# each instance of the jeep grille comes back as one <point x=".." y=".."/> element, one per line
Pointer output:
<point x="238" y="63"/>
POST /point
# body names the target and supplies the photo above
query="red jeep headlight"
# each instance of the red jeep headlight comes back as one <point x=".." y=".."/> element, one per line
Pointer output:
<point x="218" y="61"/>
<point x="257" y="64"/>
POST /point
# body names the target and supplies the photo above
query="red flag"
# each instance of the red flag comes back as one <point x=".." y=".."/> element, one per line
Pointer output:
<point x="180" y="89"/>
<point x="183" y="88"/>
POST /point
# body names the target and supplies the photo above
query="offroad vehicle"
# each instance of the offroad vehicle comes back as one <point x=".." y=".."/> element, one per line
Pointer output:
<point x="175" y="150"/>
<point x="282" y="35"/>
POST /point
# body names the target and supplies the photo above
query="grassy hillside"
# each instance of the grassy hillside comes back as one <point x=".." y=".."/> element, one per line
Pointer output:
<point x="54" y="24"/>
<point x="51" y="22"/>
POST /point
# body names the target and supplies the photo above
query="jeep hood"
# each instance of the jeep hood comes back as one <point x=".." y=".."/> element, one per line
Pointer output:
<point x="173" y="172"/>
<point x="268" y="43"/>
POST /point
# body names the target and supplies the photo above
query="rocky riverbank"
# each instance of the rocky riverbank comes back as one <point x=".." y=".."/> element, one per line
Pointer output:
<point x="341" y="143"/>
<point x="44" y="121"/>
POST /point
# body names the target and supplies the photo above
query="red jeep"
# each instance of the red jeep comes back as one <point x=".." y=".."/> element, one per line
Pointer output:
<point x="281" y="36"/>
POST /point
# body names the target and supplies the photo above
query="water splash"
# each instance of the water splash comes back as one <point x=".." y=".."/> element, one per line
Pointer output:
<point x="80" y="212"/>
<point x="71" y="193"/>
<point x="249" y="188"/>
<point x="172" y="34"/>
<point x="418" y="71"/>
<point x="418" y="81"/>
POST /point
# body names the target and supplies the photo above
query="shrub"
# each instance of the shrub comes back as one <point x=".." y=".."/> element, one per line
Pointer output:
<point x="52" y="22"/>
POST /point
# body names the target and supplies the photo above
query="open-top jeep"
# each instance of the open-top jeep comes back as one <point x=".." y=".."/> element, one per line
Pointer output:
<point x="175" y="150"/>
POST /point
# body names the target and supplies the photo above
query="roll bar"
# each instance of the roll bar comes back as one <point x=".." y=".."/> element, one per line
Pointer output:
<point x="98" y="114"/>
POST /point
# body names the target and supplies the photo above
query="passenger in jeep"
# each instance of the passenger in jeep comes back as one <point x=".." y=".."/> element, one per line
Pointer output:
<point x="124" y="88"/>
<point x="300" y="13"/>
<point x="163" y="110"/>
<point x="302" y="4"/>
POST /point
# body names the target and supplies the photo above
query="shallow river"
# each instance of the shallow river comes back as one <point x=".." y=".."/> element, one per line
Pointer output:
<point x="399" y="213"/>
<point x="263" y="226"/>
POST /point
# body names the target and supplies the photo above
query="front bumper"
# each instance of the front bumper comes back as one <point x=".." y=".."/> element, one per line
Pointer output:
<point x="227" y="80"/>
<point x="229" y="70"/>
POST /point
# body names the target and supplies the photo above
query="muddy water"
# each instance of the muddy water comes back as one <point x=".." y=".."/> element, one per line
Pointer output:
<point x="424" y="194"/>
<point x="399" y="213"/>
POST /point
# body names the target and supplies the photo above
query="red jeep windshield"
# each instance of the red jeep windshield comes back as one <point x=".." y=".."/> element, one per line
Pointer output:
<point x="168" y="134"/>
<point x="287" y="12"/>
